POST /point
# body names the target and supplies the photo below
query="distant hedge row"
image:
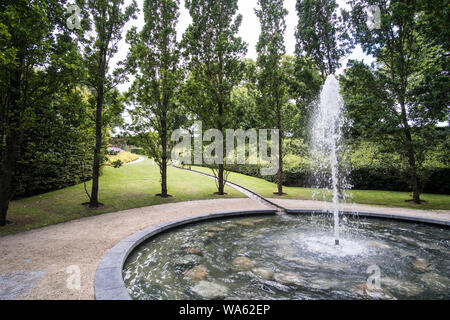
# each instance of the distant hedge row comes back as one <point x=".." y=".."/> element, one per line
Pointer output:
<point x="438" y="180"/>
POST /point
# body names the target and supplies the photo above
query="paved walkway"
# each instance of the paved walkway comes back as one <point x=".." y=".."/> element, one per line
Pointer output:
<point x="311" y="204"/>
<point x="37" y="260"/>
<point x="39" y="264"/>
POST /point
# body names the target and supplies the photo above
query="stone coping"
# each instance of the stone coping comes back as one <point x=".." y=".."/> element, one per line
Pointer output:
<point x="109" y="284"/>
<point x="409" y="218"/>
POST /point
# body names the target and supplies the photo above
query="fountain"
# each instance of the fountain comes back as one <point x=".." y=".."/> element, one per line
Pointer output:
<point x="290" y="257"/>
<point x="293" y="256"/>
<point x="326" y="143"/>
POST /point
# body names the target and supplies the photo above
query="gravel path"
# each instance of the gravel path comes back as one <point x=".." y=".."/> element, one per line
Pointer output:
<point x="82" y="243"/>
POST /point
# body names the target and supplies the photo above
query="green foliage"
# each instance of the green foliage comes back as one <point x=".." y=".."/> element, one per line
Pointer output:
<point x="213" y="54"/>
<point x="304" y="83"/>
<point x="39" y="70"/>
<point x="322" y="34"/>
<point x="399" y="102"/>
<point x="138" y="151"/>
<point x="214" y="59"/>
<point x="55" y="147"/>
<point x="361" y="178"/>
<point x="270" y="76"/>
<point x="117" y="164"/>
<point x="102" y="25"/>
<point x="154" y="60"/>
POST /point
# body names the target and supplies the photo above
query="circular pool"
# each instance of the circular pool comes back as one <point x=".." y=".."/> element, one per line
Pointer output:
<point x="292" y="257"/>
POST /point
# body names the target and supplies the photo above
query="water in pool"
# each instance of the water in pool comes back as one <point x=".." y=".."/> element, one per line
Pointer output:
<point x="292" y="257"/>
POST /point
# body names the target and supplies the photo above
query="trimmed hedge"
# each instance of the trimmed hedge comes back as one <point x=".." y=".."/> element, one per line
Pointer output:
<point x="361" y="178"/>
<point x="138" y="151"/>
<point x="55" y="150"/>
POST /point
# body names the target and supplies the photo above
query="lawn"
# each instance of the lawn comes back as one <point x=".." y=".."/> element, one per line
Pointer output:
<point x="373" y="197"/>
<point x="130" y="186"/>
<point x="136" y="185"/>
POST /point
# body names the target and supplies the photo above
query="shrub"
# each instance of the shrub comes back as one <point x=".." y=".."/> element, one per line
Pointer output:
<point x="123" y="157"/>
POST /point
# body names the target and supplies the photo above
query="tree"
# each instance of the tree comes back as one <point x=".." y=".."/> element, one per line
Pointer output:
<point x="321" y="34"/>
<point x="411" y="76"/>
<point x="303" y="82"/>
<point x="108" y="19"/>
<point x="270" y="76"/>
<point x="214" y="56"/>
<point x="38" y="57"/>
<point x="154" y="55"/>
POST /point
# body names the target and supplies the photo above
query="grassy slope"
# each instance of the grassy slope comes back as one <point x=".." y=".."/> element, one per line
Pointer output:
<point x="374" y="197"/>
<point x="135" y="185"/>
<point x="130" y="186"/>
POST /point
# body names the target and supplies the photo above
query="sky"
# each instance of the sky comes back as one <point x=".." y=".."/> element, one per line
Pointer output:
<point x="249" y="30"/>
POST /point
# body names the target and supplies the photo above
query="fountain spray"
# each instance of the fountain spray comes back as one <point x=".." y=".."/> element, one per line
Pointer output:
<point x="326" y="136"/>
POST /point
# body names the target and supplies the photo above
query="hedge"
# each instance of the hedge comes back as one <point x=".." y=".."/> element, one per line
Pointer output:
<point x="388" y="179"/>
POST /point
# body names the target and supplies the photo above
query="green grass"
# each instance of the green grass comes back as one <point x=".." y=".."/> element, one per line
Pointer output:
<point x="373" y="197"/>
<point x="136" y="185"/>
<point x="130" y="186"/>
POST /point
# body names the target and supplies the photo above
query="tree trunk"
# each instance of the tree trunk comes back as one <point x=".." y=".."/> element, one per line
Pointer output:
<point x="164" y="160"/>
<point x="9" y="155"/>
<point x="7" y="173"/>
<point x="410" y="154"/>
<point x="280" y="153"/>
<point x="414" y="180"/>
<point x="221" y="180"/>
<point x="98" y="134"/>
<point x="412" y="168"/>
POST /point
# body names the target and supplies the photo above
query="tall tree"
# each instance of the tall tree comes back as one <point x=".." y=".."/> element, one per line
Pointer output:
<point x="154" y="55"/>
<point x="105" y="19"/>
<point x="409" y="87"/>
<point x="38" y="57"/>
<point x="322" y="34"/>
<point x="214" y="55"/>
<point x="304" y="83"/>
<point x="271" y="79"/>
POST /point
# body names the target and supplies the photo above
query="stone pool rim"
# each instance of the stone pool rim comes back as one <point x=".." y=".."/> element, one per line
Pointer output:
<point x="108" y="281"/>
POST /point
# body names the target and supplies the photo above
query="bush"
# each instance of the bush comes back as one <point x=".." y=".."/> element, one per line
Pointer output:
<point x="123" y="157"/>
